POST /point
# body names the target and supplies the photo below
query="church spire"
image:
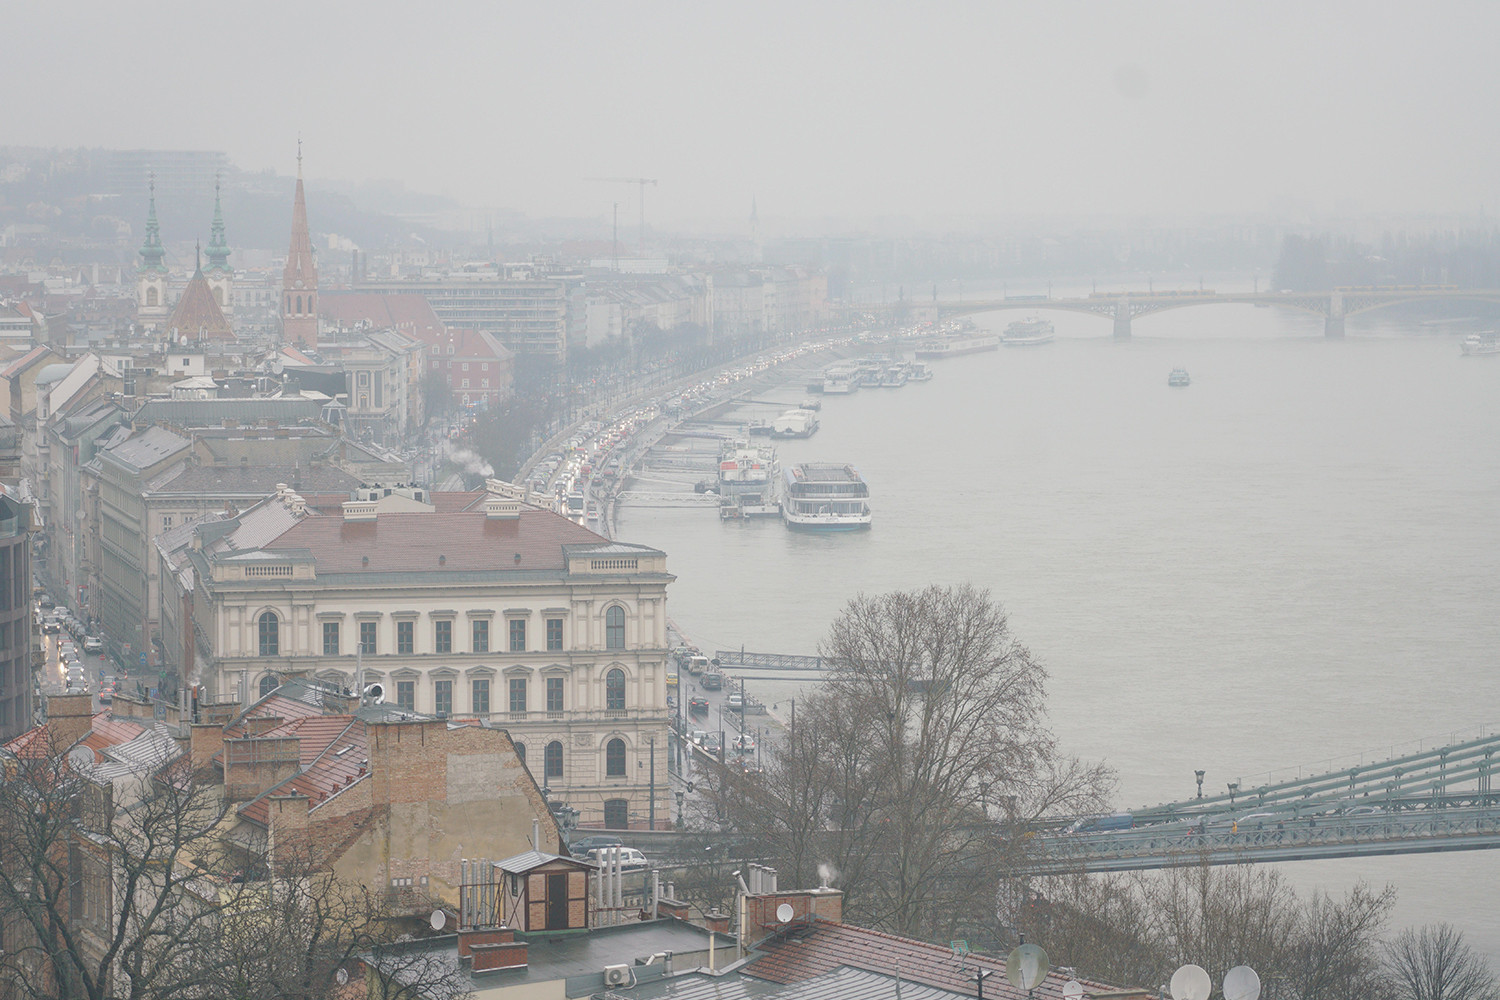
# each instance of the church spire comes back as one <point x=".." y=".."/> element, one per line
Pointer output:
<point x="299" y="279"/>
<point x="218" y="246"/>
<point x="153" y="254"/>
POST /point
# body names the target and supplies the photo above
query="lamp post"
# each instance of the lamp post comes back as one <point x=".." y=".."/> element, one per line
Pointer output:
<point x="1234" y="788"/>
<point x="1200" y="782"/>
<point x="680" y="796"/>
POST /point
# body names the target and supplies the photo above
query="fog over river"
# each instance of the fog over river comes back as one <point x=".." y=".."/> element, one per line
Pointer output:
<point x="1293" y="559"/>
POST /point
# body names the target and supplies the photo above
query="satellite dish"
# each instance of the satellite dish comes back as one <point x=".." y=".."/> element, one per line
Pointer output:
<point x="1072" y="989"/>
<point x="81" y="758"/>
<point x="784" y="914"/>
<point x="439" y="918"/>
<point x="1241" y="983"/>
<point x="1027" y="966"/>
<point x="1191" y="982"/>
<point x="376" y="693"/>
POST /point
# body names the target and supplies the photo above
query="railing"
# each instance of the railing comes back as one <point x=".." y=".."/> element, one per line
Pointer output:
<point x="1178" y="845"/>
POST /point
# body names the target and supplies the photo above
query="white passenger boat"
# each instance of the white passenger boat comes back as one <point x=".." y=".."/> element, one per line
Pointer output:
<point x="951" y="347"/>
<point x="916" y="371"/>
<point x="1480" y="344"/>
<point x="797" y="423"/>
<point x="825" y="496"/>
<point x="1179" y="377"/>
<point x="1028" y="332"/>
<point x="749" y="477"/>
<point x="838" y="381"/>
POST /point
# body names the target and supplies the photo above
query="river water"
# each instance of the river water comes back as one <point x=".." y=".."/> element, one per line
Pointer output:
<point x="1293" y="561"/>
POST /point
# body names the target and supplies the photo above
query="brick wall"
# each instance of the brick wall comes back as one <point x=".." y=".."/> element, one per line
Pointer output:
<point x="825" y="904"/>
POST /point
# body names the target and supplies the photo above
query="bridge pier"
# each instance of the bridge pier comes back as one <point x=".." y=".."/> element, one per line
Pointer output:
<point x="1333" y="323"/>
<point x="1122" y="318"/>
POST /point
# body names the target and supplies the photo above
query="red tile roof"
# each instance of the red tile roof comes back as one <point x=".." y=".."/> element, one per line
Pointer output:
<point x="410" y="313"/>
<point x="831" y="945"/>
<point x="325" y="770"/>
<point x="197" y="316"/>
<point x="107" y="732"/>
<point x="432" y="542"/>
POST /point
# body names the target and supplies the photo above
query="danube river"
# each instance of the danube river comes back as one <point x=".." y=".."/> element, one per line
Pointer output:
<point x="1293" y="561"/>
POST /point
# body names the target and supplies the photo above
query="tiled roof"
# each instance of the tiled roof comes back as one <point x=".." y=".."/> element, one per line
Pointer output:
<point x="841" y="984"/>
<point x="335" y="754"/>
<point x="197" y="316"/>
<point x="148" y="448"/>
<point x="409" y="312"/>
<point x="434" y="542"/>
<point x="830" y="945"/>
<point x="107" y="732"/>
<point x="25" y="361"/>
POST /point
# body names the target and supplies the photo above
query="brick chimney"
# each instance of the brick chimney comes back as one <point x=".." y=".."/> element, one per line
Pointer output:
<point x="205" y="739"/>
<point x="252" y="766"/>
<point x="69" y="718"/>
<point x="491" y="948"/>
<point x="823" y="904"/>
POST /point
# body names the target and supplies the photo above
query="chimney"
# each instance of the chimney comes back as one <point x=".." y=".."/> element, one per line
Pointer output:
<point x="205" y="740"/>
<point x="253" y="766"/>
<point x="807" y="905"/>
<point x="69" y="719"/>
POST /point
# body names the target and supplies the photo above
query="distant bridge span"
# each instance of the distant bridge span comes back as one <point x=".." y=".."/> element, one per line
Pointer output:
<point x="1123" y="307"/>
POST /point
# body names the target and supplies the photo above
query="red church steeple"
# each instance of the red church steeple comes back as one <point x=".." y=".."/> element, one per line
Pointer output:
<point x="299" y="279"/>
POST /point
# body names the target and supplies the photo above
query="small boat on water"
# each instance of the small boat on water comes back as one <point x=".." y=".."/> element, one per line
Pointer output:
<point x="810" y="404"/>
<point x="1028" y="332"/>
<point x="916" y="371"/>
<point x="894" y="377"/>
<point x="838" y="381"/>
<point x="1179" y="377"/>
<point x="798" y="423"/>
<point x="1479" y="344"/>
<point x="758" y="427"/>
<point x="952" y="347"/>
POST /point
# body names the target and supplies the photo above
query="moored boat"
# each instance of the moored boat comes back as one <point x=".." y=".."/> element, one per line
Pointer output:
<point x="825" y="496"/>
<point x="951" y="347"/>
<point x="1179" y="377"/>
<point x="1480" y="344"/>
<point x="1028" y="332"/>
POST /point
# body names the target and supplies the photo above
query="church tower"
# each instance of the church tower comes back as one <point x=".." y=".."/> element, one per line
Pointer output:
<point x="299" y="280"/>
<point x="151" y="279"/>
<point x="219" y="274"/>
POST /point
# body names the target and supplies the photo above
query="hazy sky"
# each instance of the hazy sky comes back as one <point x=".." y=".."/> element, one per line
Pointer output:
<point x="817" y="109"/>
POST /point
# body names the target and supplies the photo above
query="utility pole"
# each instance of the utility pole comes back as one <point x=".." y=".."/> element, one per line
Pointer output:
<point x="639" y="182"/>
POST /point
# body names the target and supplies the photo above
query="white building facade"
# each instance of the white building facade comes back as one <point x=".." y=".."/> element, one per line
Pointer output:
<point x="464" y="606"/>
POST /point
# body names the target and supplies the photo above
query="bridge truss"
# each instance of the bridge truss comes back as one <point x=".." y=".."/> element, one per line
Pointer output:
<point x="1441" y="799"/>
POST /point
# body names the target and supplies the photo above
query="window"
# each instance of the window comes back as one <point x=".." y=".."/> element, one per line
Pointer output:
<point x="485" y="367"/>
<point x="466" y="366"/>
<point x="442" y="637"/>
<point x="367" y="637"/>
<point x="614" y="758"/>
<point x="406" y="695"/>
<point x="465" y="383"/>
<point x="330" y="638"/>
<point x="614" y="689"/>
<point x="553" y="765"/>
<point x="518" y="694"/>
<point x="166" y="521"/>
<point x="364" y="380"/>
<point x="481" y="635"/>
<point x="270" y="634"/>
<point x="269" y="683"/>
<point x="151" y="297"/>
<point x="405" y="636"/>
<point x="521" y="752"/>
<point x="518" y="635"/>
<point x="614" y="628"/>
<point x="299" y="305"/>
<point x="554" y="694"/>
<point x="616" y="814"/>
<point x="442" y="698"/>
<point x="554" y="634"/>
<point x="479" y="692"/>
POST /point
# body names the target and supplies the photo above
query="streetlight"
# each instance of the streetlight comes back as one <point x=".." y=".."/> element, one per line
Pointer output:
<point x="1234" y="787"/>
<point x="1200" y="783"/>
<point x="680" y="796"/>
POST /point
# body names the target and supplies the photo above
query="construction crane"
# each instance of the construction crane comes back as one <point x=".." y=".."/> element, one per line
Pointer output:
<point x="641" y="182"/>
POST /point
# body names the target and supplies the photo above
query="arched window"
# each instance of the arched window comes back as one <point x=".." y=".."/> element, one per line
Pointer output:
<point x="151" y="298"/>
<point x="521" y="752"/>
<point x="614" y="689"/>
<point x="614" y="758"/>
<point x="289" y="302"/>
<point x="553" y="764"/>
<point x="299" y="305"/>
<point x="616" y="814"/>
<point x="269" y="683"/>
<point x="309" y="305"/>
<point x="270" y="634"/>
<point x="614" y="628"/>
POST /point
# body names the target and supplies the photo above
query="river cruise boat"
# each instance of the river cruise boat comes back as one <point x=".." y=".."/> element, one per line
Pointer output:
<point x="838" y="381"/>
<point x="825" y="496"/>
<point x="1179" y="377"/>
<point x="952" y="347"/>
<point x="916" y="371"/>
<point x="798" y="423"/>
<point x="1479" y="344"/>
<point x="749" y="477"/>
<point x="895" y="377"/>
<point x="1028" y="332"/>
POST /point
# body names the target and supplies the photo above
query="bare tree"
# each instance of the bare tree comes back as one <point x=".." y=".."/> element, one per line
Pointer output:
<point x="914" y="775"/>
<point x="1434" y="963"/>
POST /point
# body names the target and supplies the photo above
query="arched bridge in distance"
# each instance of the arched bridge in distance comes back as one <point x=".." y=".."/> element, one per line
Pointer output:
<point x="1123" y="307"/>
<point x="1433" y="800"/>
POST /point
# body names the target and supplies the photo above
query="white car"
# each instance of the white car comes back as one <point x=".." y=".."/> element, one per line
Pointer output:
<point x="631" y="860"/>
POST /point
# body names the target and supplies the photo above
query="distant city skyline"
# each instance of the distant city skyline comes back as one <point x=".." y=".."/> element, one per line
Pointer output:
<point x="828" y="112"/>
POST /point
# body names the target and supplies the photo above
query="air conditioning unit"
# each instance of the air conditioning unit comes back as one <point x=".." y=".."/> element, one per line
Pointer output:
<point x="617" y="975"/>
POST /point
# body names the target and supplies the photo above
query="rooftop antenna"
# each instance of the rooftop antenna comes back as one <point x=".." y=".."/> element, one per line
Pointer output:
<point x="1191" y="982"/>
<point x="1027" y="966"/>
<point x="1241" y="983"/>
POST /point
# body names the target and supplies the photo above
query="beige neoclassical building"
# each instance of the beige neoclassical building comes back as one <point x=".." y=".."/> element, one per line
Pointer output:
<point x="468" y="606"/>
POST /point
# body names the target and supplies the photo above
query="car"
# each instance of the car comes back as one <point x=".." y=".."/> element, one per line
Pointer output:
<point x="711" y="742"/>
<point x="93" y="644"/>
<point x="735" y="700"/>
<point x="46" y="603"/>
<point x="697" y="706"/>
<point x="712" y="681"/>
<point x="582" y="846"/>
<point x="745" y="743"/>
<point x="51" y="626"/>
<point x="630" y="859"/>
<point x="696" y="737"/>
